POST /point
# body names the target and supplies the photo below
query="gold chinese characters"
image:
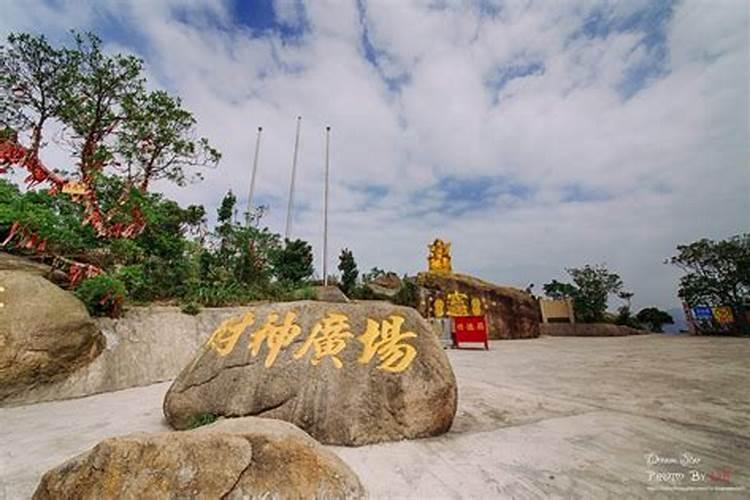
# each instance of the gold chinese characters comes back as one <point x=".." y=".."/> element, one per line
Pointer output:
<point x="456" y="304"/>
<point x="326" y="340"/>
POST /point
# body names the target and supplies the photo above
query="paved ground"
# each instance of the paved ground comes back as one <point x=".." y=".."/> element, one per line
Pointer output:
<point x="561" y="417"/>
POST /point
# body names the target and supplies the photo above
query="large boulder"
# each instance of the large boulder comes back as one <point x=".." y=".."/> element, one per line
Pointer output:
<point x="45" y="332"/>
<point x="9" y="262"/>
<point x="237" y="458"/>
<point x="511" y="313"/>
<point x="348" y="374"/>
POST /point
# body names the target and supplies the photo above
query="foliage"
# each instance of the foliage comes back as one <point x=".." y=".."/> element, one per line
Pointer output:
<point x="407" y="295"/>
<point x="625" y="317"/>
<point x="53" y="218"/>
<point x="191" y="308"/>
<point x="103" y="295"/>
<point x="593" y="285"/>
<point x="304" y="293"/>
<point x="293" y="264"/>
<point x="349" y="272"/>
<point x="108" y="117"/>
<point x="202" y="419"/>
<point x="717" y="273"/>
<point x="557" y="290"/>
<point x="372" y="274"/>
<point x="654" y="318"/>
<point x="122" y="135"/>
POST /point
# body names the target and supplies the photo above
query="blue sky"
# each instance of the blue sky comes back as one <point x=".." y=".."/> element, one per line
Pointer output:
<point x="535" y="135"/>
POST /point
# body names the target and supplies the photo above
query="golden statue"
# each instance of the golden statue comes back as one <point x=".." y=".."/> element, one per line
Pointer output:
<point x="439" y="260"/>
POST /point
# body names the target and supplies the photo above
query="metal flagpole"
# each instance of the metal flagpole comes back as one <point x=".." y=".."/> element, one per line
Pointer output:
<point x="252" y="178"/>
<point x="325" y="213"/>
<point x="288" y="230"/>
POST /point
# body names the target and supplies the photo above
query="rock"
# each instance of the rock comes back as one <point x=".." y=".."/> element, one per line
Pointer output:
<point x="588" y="330"/>
<point x="45" y="332"/>
<point x="145" y="346"/>
<point x="386" y="285"/>
<point x="511" y="313"/>
<point x="237" y="458"/>
<point x="10" y="262"/>
<point x="330" y="294"/>
<point x="380" y="374"/>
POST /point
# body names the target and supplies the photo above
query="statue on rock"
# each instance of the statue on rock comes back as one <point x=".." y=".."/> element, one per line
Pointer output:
<point x="439" y="260"/>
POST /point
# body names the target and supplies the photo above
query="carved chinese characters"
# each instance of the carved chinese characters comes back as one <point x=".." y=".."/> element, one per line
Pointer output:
<point x="347" y="374"/>
<point x="327" y="339"/>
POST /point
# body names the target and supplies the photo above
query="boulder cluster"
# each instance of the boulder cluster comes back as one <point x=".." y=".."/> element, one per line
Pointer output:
<point x="277" y="379"/>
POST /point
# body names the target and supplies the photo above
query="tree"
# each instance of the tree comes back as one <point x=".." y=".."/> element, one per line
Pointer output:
<point x="293" y="264"/>
<point x="593" y="285"/>
<point x="717" y="274"/>
<point x="349" y="272"/>
<point x="110" y="123"/>
<point x="557" y="290"/>
<point x="654" y="318"/>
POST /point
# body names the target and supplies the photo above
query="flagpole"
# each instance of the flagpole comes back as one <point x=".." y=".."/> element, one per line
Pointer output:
<point x="325" y="212"/>
<point x="288" y="230"/>
<point x="252" y="178"/>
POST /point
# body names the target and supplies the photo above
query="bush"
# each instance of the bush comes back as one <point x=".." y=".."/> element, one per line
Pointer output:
<point x="407" y="296"/>
<point x="202" y="419"/>
<point x="304" y="293"/>
<point x="103" y="295"/>
<point x="191" y="308"/>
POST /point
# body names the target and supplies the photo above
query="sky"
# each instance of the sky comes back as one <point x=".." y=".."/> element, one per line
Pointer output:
<point x="533" y="135"/>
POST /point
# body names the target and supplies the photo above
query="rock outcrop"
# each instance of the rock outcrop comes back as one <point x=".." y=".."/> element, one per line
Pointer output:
<point x="348" y="374"/>
<point x="9" y="262"/>
<point x="237" y="458"/>
<point x="387" y="285"/>
<point x="511" y="313"/>
<point x="589" y="330"/>
<point x="144" y="346"/>
<point x="45" y="333"/>
<point x="330" y="294"/>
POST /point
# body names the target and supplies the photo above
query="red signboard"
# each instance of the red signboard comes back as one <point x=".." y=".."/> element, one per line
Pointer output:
<point x="470" y="329"/>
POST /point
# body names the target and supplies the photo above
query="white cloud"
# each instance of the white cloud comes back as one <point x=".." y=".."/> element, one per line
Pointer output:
<point x="666" y="165"/>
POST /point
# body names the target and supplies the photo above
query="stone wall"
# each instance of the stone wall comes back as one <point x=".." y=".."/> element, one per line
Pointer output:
<point x="147" y="345"/>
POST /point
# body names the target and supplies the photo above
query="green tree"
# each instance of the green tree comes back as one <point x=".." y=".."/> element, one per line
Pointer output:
<point x="716" y="273"/>
<point x="593" y="285"/>
<point x="349" y="272"/>
<point x="557" y="290"/>
<point x="112" y="125"/>
<point x="293" y="264"/>
<point x="654" y="318"/>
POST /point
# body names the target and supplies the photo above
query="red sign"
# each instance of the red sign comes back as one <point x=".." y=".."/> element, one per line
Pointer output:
<point x="470" y="329"/>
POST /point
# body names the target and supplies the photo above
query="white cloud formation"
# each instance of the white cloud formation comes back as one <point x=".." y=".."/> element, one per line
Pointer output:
<point x="562" y="148"/>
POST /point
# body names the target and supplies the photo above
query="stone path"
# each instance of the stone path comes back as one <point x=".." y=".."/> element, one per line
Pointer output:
<point x="566" y="417"/>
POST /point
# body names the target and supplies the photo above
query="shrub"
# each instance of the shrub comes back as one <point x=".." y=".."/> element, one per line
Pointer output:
<point x="191" y="308"/>
<point x="407" y="295"/>
<point x="103" y="295"/>
<point x="202" y="419"/>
